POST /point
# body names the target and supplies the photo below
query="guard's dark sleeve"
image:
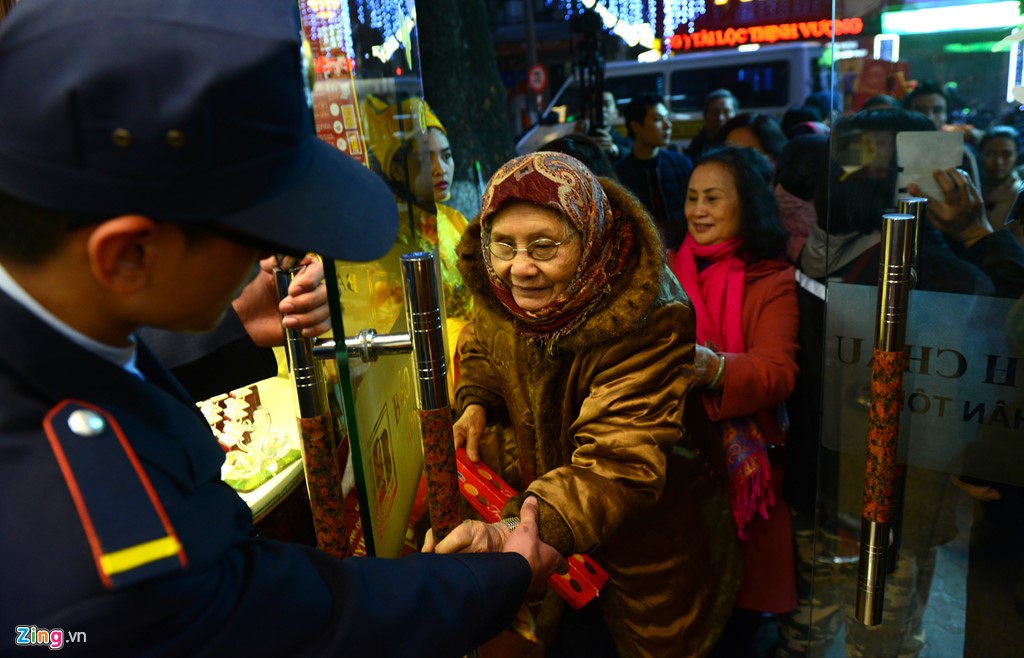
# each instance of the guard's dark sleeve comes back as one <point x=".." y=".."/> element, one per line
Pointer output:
<point x="422" y="605"/>
<point x="269" y="598"/>
<point x="214" y="362"/>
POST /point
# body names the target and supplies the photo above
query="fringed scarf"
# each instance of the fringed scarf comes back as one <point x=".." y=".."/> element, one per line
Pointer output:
<point x="716" y="292"/>
<point x="562" y="183"/>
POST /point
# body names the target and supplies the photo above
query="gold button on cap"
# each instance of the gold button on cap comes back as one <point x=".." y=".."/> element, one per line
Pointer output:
<point x="86" y="423"/>
<point x="122" y="137"/>
<point x="175" y="139"/>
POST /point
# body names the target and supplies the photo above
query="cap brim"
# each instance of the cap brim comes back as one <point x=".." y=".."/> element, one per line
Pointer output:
<point x="337" y="208"/>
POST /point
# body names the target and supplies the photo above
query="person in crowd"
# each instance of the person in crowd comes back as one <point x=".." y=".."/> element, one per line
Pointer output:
<point x="655" y="174"/>
<point x="572" y="389"/>
<point x="844" y="245"/>
<point x="719" y="107"/>
<point x="999" y="151"/>
<point x="420" y="168"/>
<point x="830" y="103"/>
<point x="150" y="206"/>
<point x="796" y="174"/>
<point x="760" y="132"/>
<point x="732" y="265"/>
<point x="586" y="150"/>
<point x="930" y="99"/>
<point x="797" y="117"/>
<point x="615" y="145"/>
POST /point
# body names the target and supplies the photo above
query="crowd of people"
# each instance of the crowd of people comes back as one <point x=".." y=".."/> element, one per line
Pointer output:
<point x="636" y="336"/>
<point x="758" y="209"/>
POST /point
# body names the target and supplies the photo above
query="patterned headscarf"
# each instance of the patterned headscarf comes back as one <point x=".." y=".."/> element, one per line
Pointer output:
<point x="564" y="184"/>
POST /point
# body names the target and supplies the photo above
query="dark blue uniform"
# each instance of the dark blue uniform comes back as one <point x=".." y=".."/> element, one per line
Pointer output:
<point x="116" y="525"/>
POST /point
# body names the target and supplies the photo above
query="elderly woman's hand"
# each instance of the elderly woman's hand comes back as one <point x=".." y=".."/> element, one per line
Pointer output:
<point x="469" y="537"/>
<point x="469" y="428"/>
<point x="477" y="537"/>
<point x="961" y="213"/>
<point x="707" y="362"/>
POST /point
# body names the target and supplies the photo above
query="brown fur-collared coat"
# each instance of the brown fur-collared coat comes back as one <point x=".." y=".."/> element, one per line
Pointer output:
<point x="595" y="431"/>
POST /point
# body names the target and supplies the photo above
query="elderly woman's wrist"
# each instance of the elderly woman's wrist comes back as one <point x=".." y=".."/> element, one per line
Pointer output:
<point x="716" y="380"/>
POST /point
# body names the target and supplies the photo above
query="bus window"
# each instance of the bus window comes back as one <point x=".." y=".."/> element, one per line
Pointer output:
<point x="626" y="87"/>
<point x="760" y="84"/>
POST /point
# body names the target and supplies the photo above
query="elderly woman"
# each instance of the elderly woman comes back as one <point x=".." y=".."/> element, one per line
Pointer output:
<point x="572" y="389"/>
<point x="732" y="265"/>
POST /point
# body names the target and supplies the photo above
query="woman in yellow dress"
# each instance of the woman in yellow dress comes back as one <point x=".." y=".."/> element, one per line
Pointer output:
<point x="410" y="145"/>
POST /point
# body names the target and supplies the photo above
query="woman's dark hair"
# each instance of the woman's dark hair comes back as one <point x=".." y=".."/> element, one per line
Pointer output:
<point x="797" y="115"/>
<point x="880" y="102"/>
<point x="765" y="126"/>
<point x="760" y="229"/>
<point x="636" y="109"/>
<point x="802" y="158"/>
<point x="1007" y="132"/>
<point x="584" y="149"/>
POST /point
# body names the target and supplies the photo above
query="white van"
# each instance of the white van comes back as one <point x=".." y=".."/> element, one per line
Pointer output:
<point x="770" y="80"/>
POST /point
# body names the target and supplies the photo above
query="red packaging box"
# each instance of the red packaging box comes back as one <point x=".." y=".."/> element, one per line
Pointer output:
<point x="488" y="493"/>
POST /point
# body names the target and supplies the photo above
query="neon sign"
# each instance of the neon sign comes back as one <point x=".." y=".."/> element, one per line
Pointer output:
<point x="738" y="36"/>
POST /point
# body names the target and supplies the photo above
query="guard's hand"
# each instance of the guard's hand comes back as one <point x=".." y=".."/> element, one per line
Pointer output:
<point x="259" y="308"/>
<point x="479" y="537"/>
<point x="961" y="212"/>
<point x="469" y="428"/>
<point x="544" y="560"/>
<point x="305" y="308"/>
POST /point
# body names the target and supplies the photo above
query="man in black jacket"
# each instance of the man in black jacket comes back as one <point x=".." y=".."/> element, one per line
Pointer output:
<point x="655" y="174"/>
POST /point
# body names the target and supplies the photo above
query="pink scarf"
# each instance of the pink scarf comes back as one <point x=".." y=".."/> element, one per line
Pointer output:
<point x="716" y="292"/>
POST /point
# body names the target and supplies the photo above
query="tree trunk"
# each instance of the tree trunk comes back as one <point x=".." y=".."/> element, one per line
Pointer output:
<point x="462" y="85"/>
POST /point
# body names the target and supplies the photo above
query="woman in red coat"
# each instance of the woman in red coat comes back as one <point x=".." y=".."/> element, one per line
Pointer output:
<point x="732" y="265"/>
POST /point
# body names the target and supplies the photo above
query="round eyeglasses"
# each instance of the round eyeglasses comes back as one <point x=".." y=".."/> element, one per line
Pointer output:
<point x="542" y="249"/>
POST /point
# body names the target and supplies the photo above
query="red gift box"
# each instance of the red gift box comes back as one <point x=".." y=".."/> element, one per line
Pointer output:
<point x="488" y="493"/>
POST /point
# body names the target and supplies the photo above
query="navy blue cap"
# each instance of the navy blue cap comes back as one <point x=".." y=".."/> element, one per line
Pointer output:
<point x="183" y="110"/>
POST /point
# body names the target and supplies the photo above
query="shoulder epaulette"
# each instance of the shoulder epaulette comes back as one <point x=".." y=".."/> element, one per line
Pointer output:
<point x="128" y="531"/>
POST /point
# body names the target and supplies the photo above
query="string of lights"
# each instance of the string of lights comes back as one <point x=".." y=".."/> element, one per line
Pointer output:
<point x="630" y="17"/>
<point x="330" y="21"/>
<point x="330" y="25"/>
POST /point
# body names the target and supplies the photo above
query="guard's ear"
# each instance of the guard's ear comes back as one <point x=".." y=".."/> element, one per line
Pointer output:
<point x="121" y="252"/>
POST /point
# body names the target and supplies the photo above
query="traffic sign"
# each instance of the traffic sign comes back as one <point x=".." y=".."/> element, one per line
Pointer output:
<point x="537" y="78"/>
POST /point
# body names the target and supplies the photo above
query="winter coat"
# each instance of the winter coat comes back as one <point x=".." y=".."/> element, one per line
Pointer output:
<point x="757" y="381"/>
<point x="595" y="431"/>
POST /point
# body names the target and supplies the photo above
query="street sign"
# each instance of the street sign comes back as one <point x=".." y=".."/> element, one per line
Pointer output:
<point x="537" y="78"/>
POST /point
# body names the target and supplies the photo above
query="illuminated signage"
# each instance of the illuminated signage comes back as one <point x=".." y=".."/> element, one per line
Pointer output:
<point x="738" y="36"/>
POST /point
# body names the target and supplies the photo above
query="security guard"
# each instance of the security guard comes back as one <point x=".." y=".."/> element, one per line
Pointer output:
<point x="150" y="151"/>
